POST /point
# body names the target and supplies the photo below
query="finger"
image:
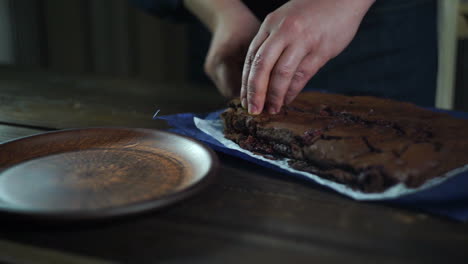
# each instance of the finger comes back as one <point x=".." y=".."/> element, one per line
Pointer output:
<point x="228" y="79"/>
<point x="304" y="72"/>
<point x="224" y="72"/>
<point x="261" y="36"/>
<point x="260" y="70"/>
<point x="212" y="72"/>
<point x="220" y="80"/>
<point x="281" y="76"/>
<point x="211" y="61"/>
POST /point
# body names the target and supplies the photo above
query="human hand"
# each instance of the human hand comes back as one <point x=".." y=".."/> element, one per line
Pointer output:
<point x="231" y="38"/>
<point x="293" y="43"/>
<point x="233" y="26"/>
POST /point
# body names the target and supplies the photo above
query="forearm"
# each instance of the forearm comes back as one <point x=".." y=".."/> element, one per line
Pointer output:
<point x="211" y="12"/>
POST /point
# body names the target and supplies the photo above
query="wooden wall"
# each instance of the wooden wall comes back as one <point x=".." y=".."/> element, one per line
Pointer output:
<point x="111" y="37"/>
<point x="98" y="36"/>
<point x="461" y="80"/>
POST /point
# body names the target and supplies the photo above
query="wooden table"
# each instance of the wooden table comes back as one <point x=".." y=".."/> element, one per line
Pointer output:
<point x="249" y="215"/>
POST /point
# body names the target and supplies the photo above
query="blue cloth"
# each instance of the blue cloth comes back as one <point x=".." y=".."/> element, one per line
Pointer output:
<point x="449" y="199"/>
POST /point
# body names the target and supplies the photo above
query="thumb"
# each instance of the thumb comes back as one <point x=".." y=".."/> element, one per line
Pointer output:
<point x="229" y="79"/>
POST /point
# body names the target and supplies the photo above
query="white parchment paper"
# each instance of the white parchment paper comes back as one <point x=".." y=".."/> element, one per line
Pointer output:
<point x="214" y="128"/>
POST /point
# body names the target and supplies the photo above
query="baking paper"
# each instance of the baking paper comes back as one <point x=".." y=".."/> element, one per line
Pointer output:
<point x="214" y="128"/>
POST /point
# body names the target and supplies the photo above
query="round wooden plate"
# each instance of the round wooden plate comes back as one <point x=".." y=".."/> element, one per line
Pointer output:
<point x="100" y="172"/>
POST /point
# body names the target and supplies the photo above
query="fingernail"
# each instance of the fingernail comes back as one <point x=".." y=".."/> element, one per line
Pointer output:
<point x="244" y="103"/>
<point x="253" y="109"/>
<point x="272" y="110"/>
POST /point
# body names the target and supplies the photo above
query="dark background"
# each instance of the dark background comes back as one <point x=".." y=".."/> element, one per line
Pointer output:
<point x="113" y="38"/>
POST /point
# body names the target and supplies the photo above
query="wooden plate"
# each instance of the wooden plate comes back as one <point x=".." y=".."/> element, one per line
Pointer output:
<point x="100" y="172"/>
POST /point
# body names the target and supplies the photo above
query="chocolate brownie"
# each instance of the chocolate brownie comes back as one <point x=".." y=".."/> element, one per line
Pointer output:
<point x="367" y="143"/>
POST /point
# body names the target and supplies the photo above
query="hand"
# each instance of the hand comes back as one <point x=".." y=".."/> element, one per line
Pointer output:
<point x="293" y="43"/>
<point x="233" y="26"/>
<point x="231" y="38"/>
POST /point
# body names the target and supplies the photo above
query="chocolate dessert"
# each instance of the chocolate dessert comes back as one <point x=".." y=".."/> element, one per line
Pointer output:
<point x="367" y="143"/>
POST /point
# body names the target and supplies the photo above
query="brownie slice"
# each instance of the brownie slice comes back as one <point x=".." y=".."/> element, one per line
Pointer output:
<point x="367" y="143"/>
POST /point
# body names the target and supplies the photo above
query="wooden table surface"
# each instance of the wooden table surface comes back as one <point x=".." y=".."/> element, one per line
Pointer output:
<point x="248" y="215"/>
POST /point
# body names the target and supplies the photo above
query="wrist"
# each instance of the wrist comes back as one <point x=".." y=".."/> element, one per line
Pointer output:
<point x="214" y="12"/>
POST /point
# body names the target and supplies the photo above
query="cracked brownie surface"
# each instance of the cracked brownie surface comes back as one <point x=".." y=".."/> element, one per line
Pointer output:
<point x="364" y="142"/>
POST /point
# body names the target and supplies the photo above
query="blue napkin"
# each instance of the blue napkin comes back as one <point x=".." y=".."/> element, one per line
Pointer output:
<point x="448" y="199"/>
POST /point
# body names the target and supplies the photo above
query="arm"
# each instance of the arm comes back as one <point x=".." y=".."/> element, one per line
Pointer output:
<point x="210" y="12"/>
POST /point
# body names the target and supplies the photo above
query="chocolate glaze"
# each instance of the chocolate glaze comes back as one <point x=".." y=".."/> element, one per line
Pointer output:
<point x="367" y="143"/>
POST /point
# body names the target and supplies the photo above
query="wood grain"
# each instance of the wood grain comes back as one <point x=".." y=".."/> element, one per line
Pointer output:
<point x="251" y="210"/>
<point x="16" y="254"/>
<point x="66" y="101"/>
<point x="250" y="215"/>
<point x="8" y="132"/>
